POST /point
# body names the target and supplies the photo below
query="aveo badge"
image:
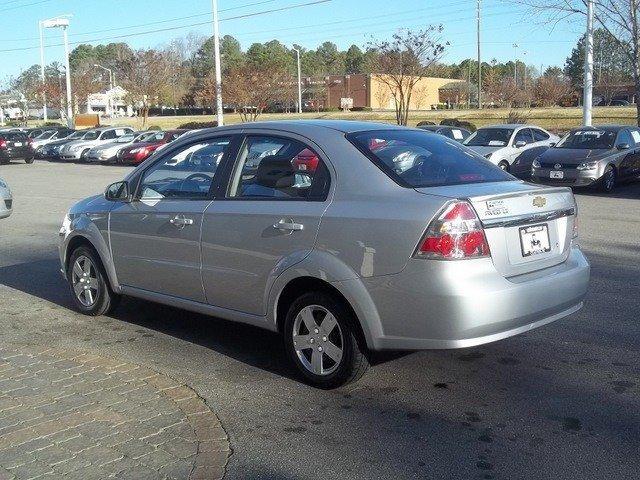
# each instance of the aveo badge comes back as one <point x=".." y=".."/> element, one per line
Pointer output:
<point x="539" y="202"/>
<point x="496" y="207"/>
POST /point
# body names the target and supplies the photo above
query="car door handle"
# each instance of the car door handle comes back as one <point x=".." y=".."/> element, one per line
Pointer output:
<point x="288" y="225"/>
<point x="181" y="221"/>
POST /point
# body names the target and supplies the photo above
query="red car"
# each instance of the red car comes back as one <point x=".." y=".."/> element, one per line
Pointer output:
<point x="138" y="152"/>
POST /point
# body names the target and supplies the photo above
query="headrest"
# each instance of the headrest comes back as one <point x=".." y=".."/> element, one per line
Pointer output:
<point x="275" y="172"/>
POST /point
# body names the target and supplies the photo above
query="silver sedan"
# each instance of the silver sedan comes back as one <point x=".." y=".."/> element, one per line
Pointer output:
<point x="345" y="238"/>
<point x="6" y="200"/>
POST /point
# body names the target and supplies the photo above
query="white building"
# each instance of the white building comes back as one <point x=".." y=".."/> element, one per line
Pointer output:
<point x="110" y="103"/>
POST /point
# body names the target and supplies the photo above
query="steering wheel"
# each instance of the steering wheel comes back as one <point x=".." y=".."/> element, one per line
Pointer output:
<point x="195" y="176"/>
<point x="192" y="183"/>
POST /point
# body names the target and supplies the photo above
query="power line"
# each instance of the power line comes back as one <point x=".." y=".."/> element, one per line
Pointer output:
<point x="21" y="6"/>
<point x="264" y="12"/>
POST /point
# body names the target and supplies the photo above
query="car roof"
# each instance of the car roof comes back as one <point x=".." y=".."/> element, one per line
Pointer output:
<point x="302" y="126"/>
<point x="612" y="128"/>
<point x="511" y="125"/>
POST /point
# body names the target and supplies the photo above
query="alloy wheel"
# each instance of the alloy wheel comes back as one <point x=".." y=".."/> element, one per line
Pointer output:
<point x="318" y="340"/>
<point x="84" y="279"/>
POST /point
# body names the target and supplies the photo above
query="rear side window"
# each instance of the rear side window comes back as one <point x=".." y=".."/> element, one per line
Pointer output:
<point x="416" y="160"/>
<point x="278" y="168"/>
<point x="539" y="135"/>
<point x="625" y="137"/>
<point x="523" y="135"/>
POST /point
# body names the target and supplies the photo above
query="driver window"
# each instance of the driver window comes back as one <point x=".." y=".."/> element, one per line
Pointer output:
<point x="187" y="174"/>
<point x="625" y="137"/>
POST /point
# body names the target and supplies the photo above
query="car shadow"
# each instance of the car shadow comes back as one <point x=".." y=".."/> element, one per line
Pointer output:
<point x="627" y="190"/>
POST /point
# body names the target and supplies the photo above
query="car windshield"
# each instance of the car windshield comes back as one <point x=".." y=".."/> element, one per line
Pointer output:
<point x="46" y="134"/>
<point x="588" y="140"/>
<point x="489" y="137"/>
<point x="78" y="134"/>
<point x="91" y="135"/>
<point x="125" y="138"/>
<point x="417" y="160"/>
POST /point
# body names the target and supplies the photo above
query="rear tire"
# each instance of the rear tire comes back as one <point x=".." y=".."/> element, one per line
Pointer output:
<point x="29" y="161"/>
<point x="90" y="289"/>
<point x="504" y="165"/>
<point x="608" y="182"/>
<point x="326" y="351"/>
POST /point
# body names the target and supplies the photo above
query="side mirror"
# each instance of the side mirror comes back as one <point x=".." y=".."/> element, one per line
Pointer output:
<point x="118" y="192"/>
<point x="520" y="144"/>
<point x="552" y="144"/>
<point x="623" y="146"/>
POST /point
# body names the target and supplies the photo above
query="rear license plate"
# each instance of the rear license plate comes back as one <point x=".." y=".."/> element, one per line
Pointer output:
<point x="534" y="240"/>
<point x="17" y="144"/>
<point x="556" y="174"/>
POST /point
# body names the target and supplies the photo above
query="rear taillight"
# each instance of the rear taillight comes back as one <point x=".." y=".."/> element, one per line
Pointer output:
<point x="3" y="144"/>
<point x="456" y="234"/>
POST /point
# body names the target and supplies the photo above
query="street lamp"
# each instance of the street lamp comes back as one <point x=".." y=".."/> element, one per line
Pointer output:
<point x="216" y="48"/>
<point x="515" y="63"/>
<point x="63" y="23"/>
<point x="299" y="81"/>
<point x="109" y="106"/>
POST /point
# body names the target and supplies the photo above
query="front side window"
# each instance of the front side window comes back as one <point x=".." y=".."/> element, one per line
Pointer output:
<point x="416" y="160"/>
<point x="489" y="137"/>
<point x="93" y="135"/>
<point x="278" y="168"/>
<point x="625" y="137"/>
<point x="187" y="174"/>
<point x="588" y="140"/>
<point x="108" y="135"/>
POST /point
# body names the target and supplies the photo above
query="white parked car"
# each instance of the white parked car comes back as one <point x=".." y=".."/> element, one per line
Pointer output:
<point x="503" y="144"/>
<point x="107" y="152"/>
<point x="49" y="136"/>
<point x="76" y="150"/>
<point x="6" y="200"/>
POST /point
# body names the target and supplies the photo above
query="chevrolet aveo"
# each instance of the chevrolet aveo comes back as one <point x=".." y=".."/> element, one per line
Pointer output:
<point x="345" y="237"/>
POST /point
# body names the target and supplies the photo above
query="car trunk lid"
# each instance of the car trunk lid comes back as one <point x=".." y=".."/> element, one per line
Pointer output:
<point x="527" y="227"/>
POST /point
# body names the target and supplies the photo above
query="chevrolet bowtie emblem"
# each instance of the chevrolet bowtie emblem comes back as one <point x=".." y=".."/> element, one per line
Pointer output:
<point x="539" y="202"/>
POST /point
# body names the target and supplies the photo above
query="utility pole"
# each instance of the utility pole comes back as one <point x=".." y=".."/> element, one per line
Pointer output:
<point x="588" y="68"/>
<point x="469" y="85"/>
<point x="216" y="48"/>
<point x="515" y="64"/>
<point x="479" y="60"/>
<point x="299" y="81"/>
<point x="63" y="23"/>
<point x="44" y="82"/>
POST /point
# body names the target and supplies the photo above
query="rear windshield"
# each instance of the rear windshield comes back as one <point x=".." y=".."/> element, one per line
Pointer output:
<point x="417" y="159"/>
<point x="13" y="135"/>
<point x="589" y="140"/>
<point x="489" y="137"/>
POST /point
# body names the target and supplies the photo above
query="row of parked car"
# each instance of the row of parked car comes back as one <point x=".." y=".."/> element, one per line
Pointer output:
<point x="601" y="156"/>
<point x="97" y="145"/>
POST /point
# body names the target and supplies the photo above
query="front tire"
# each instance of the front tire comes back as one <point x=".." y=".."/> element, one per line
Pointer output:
<point x="90" y="289"/>
<point x="608" y="182"/>
<point x="29" y="161"/>
<point x="504" y="165"/>
<point x="321" y="342"/>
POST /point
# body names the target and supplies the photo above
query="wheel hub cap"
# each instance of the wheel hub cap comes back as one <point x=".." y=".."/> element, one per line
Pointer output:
<point x="84" y="279"/>
<point x="318" y="340"/>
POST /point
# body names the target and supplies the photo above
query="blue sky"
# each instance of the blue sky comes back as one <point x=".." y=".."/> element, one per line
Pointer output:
<point x="341" y="21"/>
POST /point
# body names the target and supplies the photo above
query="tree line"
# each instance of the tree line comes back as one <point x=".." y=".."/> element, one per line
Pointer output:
<point x="181" y="73"/>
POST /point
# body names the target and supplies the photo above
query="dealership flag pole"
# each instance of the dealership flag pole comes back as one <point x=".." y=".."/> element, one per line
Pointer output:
<point x="216" y="47"/>
<point x="587" y="99"/>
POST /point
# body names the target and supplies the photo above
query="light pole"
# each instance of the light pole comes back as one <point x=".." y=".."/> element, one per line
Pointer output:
<point x="587" y="93"/>
<point x="63" y="22"/>
<point x="44" y="93"/>
<point x="216" y="48"/>
<point x="479" y="60"/>
<point x="299" y="80"/>
<point x="515" y="64"/>
<point x="109" y="107"/>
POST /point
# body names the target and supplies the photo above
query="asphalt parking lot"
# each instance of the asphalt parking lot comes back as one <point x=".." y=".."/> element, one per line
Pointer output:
<point x="562" y="401"/>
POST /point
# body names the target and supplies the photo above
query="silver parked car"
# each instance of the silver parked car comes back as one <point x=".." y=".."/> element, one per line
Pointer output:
<point x="77" y="149"/>
<point x="107" y="152"/>
<point x="6" y="200"/>
<point x="347" y="237"/>
<point x="504" y="144"/>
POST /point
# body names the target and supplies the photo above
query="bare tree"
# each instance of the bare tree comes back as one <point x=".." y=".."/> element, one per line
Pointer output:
<point x="620" y="18"/>
<point x="551" y="90"/>
<point x="402" y="60"/>
<point x="146" y="74"/>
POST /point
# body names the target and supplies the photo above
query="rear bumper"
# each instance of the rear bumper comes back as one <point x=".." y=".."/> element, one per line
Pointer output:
<point x="442" y="305"/>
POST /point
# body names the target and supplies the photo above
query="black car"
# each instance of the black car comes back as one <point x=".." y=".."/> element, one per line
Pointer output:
<point x="455" y="133"/>
<point x="591" y="156"/>
<point x="14" y="146"/>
